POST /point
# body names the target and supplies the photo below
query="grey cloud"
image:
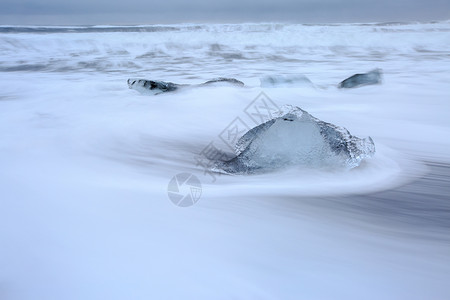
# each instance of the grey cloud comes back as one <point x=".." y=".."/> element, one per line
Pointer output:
<point x="172" y="11"/>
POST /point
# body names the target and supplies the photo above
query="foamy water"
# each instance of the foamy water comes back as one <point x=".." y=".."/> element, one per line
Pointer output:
<point x="85" y="162"/>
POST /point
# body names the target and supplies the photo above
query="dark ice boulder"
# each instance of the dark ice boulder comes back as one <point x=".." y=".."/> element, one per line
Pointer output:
<point x="295" y="138"/>
<point x="357" y="80"/>
<point x="153" y="87"/>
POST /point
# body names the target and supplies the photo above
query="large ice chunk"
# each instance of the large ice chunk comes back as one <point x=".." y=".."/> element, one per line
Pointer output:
<point x="295" y="138"/>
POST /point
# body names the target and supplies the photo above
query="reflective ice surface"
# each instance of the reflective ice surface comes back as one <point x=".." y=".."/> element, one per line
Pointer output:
<point x="295" y="138"/>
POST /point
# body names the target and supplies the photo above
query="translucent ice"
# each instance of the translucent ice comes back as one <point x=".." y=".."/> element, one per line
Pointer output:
<point x="295" y="138"/>
<point x="357" y="80"/>
<point x="285" y="81"/>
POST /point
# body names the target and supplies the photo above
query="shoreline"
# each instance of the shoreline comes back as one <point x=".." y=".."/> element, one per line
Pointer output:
<point x="418" y="209"/>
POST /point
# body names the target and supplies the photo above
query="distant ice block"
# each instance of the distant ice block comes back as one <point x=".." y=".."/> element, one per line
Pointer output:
<point x="357" y="80"/>
<point x="273" y="81"/>
<point x="222" y="81"/>
<point x="153" y="87"/>
<point x="295" y="138"/>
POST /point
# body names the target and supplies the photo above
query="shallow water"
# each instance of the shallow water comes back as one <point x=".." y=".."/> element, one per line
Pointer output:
<point x="86" y="162"/>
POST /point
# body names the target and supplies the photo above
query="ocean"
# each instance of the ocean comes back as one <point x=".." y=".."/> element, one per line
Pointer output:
<point x="89" y="168"/>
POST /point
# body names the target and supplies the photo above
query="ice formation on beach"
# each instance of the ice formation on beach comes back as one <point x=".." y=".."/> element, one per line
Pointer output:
<point x="295" y="138"/>
<point x="150" y="86"/>
<point x="285" y="81"/>
<point x="357" y="80"/>
<point x="154" y="87"/>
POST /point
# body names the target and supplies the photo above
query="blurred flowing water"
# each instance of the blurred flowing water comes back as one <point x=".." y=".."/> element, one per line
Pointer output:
<point x="85" y="164"/>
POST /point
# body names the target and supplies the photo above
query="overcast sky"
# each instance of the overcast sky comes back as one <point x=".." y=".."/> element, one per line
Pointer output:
<point x="76" y="12"/>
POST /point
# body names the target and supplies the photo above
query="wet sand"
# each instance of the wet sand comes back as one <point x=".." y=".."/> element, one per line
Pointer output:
<point x="419" y="209"/>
